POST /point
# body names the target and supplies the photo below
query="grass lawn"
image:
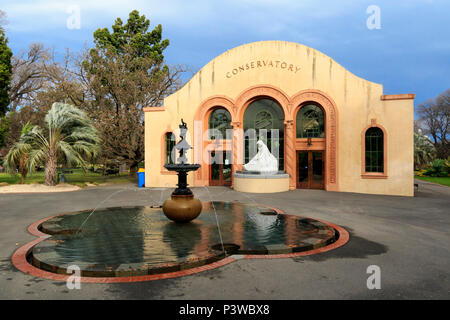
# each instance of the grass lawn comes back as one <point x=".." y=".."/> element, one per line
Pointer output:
<point x="440" y="180"/>
<point x="78" y="178"/>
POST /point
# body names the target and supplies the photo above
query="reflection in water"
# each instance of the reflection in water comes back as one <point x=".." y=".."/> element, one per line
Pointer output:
<point x="182" y="238"/>
<point x="138" y="237"/>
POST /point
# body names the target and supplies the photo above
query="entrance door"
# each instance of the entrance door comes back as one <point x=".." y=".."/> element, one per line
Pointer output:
<point x="310" y="169"/>
<point x="220" y="169"/>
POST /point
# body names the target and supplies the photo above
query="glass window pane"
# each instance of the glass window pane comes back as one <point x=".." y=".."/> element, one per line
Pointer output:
<point x="226" y="172"/>
<point x="317" y="167"/>
<point x="215" y="171"/>
<point x="215" y="167"/>
<point x="374" y="141"/>
<point x="310" y="122"/>
<point x="170" y="148"/>
<point x="219" y="122"/>
<point x="303" y="166"/>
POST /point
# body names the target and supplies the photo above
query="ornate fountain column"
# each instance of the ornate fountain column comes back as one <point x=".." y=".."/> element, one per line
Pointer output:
<point x="289" y="152"/>
<point x="182" y="206"/>
<point x="238" y="155"/>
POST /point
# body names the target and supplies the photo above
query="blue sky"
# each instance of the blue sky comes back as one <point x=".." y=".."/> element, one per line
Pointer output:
<point x="409" y="54"/>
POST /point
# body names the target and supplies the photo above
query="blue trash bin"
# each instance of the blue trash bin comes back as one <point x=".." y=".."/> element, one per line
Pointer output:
<point x="141" y="178"/>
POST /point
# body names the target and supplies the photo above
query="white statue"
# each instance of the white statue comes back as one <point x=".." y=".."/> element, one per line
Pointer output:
<point x="263" y="161"/>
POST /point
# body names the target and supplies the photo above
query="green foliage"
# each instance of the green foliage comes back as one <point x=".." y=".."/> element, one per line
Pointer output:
<point x="128" y="63"/>
<point x="26" y="128"/>
<point x="5" y="123"/>
<point x="424" y="150"/>
<point x="69" y="136"/>
<point x="438" y="168"/>
<point x="134" y="34"/>
<point x="79" y="177"/>
<point x="5" y="72"/>
<point x="447" y="166"/>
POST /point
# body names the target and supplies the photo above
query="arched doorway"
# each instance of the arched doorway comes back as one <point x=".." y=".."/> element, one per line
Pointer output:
<point x="310" y="160"/>
<point x="327" y="145"/>
<point x="203" y="144"/>
<point x="264" y="120"/>
<point x="220" y="159"/>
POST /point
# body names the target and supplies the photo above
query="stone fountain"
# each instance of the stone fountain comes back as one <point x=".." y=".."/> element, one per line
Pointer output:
<point x="182" y="206"/>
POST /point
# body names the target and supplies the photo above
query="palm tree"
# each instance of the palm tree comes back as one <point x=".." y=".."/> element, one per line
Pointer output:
<point x="69" y="136"/>
<point x="424" y="150"/>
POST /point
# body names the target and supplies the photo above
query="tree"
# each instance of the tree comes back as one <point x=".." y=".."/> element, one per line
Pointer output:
<point x="434" y="116"/>
<point x="121" y="87"/>
<point x="134" y="34"/>
<point x="124" y="73"/>
<point x="27" y="86"/>
<point x="69" y="136"/>
<point x="38" y="81"/>
<point x="5" y="72"/>
<point x="424" y="150"/>
<point x="28" y="75"/>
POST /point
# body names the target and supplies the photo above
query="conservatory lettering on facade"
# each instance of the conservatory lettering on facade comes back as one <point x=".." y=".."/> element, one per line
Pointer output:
<point x="262" y="63"/>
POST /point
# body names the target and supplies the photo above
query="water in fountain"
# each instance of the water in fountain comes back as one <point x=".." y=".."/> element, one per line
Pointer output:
<point x="124" y="241"/>
<point x="106" y="199"/>
<point x="217" y="220"/>
<point x="118" y="191"/>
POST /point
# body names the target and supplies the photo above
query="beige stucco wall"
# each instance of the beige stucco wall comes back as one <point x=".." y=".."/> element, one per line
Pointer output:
<point x="269" y="185"/>
<point x="358" y="101"/>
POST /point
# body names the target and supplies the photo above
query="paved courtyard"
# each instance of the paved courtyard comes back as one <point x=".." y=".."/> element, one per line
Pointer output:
<point x="408" y="238"/>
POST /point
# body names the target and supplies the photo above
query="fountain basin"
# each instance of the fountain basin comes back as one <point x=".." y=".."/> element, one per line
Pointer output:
<point x="134" y="241"/>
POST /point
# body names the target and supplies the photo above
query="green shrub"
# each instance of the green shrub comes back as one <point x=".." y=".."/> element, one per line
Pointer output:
<point x="438" y="168"/>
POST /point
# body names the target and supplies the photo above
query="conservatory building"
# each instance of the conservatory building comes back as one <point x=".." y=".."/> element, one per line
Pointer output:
<point x="328" y="128"/>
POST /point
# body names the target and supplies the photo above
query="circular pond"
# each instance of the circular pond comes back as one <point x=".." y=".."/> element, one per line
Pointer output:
<point x="133" y="241"/>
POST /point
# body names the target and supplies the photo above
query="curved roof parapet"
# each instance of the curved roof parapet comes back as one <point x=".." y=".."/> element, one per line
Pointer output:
<point x="271" y="43"/>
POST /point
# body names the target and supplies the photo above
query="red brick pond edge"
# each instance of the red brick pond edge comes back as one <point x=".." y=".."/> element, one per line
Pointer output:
<point x="19" y="258"/>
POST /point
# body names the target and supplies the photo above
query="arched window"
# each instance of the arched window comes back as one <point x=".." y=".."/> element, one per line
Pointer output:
<point x="219" y="122"/>
<point x="264" y="119"/>
<point x="374" y="150"/>
<point x="169" y="156"/>
<point x="310" y="122"/>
